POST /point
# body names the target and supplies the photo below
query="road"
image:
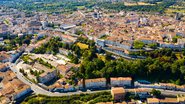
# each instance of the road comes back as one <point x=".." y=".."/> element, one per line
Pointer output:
<point x="164" y="92"/>
<point x="38" y="90"/>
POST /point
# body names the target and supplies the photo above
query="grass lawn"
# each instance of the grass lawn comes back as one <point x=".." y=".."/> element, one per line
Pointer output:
<point x="83" y="46"/>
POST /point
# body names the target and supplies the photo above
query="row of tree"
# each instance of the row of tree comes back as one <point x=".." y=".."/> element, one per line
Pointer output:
<point x="74" y="99"/>
<point x="159" y="7"/>
<point x="160" y="66"/>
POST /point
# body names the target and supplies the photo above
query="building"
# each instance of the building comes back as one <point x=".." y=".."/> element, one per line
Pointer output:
<point x="168" y="86"/>
<point x="169" y="101"/>
<point x="118" y="93"/>
<point x="62" y="87"/>
<point x="4" y="57"/>
<point x="64" y="69"/>
<point x="162" y="101"/>
<point x="93" y="83"/>
<point x="141" y="92"/>
<point x="152" y="101"/>
<point x="3" y="67"/>
<point x="64" y="51"/>
<point x="67" y="26"/>
<point x="181" y="99"/>
<point x="121" y="82"/>
<point x="15" y="55"/>
<point x="12" y="88"/>
<point x="47" y="75"/>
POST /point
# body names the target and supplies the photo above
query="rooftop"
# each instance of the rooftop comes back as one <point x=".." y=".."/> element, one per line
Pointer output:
<point x="117" y="90"/>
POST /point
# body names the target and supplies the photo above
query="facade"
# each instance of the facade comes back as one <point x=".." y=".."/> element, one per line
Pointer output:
<point x="162" y="101"/>
<point x="121" y="82"/>
<point x="93" y="83"/>
<point x="46" y="77"/>
<point x="4" y="57"/>
<point x="12" y="88"/>
<point x="67" y="26"/>
<point x="64" y="69"/>
<point x="64" y="51"/>
<point x="3" y="67"/>
<point x="25" y="90"/>
<point x="142" y="93"/>
<point x="152" y="101"/>
<point x="118" y="93"/>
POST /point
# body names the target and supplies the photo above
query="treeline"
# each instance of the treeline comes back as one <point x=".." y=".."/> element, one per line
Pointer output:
<point x="144" y="8"/>
<point x="53" y="6"/>
<point x="73" y="99"/>
<point x="160" y="66"/>
<point x="52" y="46"/>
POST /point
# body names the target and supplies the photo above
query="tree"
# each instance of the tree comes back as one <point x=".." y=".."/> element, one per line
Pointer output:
<point x="153" y="45"/>
<point x="75" y="59"/>
<point x="82" y="74"/>
<point x="156" y="93"/>
<point x="138" y="44"/>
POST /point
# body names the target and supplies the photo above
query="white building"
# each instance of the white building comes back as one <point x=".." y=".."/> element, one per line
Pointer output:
<point x="46" y="77"/>
<point x="120" y="81"/>
<point x="25" y="90"/>
<point x="93" y="83"/>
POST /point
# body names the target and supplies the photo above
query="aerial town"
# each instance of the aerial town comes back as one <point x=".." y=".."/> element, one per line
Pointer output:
<point x="92" y="56"/>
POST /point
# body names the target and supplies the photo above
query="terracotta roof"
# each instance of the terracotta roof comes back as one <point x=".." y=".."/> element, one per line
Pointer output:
<point x="118" y="90"/>
<point x="3" y="56"/>
<point x="2" y="65"/>
<point x="169" y="100"/>
<point x="122" y="78"/>
<point x="152" y="100"/>
<point x="95" y="80"/>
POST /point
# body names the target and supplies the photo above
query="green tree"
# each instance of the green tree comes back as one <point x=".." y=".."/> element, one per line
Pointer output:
<point x="138" y="44"/>
<point x="156" y="93"/>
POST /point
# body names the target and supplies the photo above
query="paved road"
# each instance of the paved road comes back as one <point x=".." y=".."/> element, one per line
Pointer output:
<point x="38" y="90"/>
<point x="164" y="92"/>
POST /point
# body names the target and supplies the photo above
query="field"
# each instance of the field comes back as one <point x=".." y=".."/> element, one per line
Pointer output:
<point x="83" y="46"/>
<point x="134" y="3"/>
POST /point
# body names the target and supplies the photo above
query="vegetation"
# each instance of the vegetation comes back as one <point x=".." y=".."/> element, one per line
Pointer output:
<point x="74" y="99"/>
<point x="41" y="61"/>
<point x="138" y="44"/>
<point x="23" y="72"/>
<point x="82" y="46"/>
<point x="174" y="39"/>
<point x="66" y="6"/>
<point x="158" y="7"/>
<point x="156" y="93"/>
<point x="51" y="6"/>
<point x="153" y="45"/>
<point x="162" y="61"/>
<point x="26" y="58"/>
<point x="36" y="73"/>
<point x="13" y="42"/>
<point x="50" y="47"/>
